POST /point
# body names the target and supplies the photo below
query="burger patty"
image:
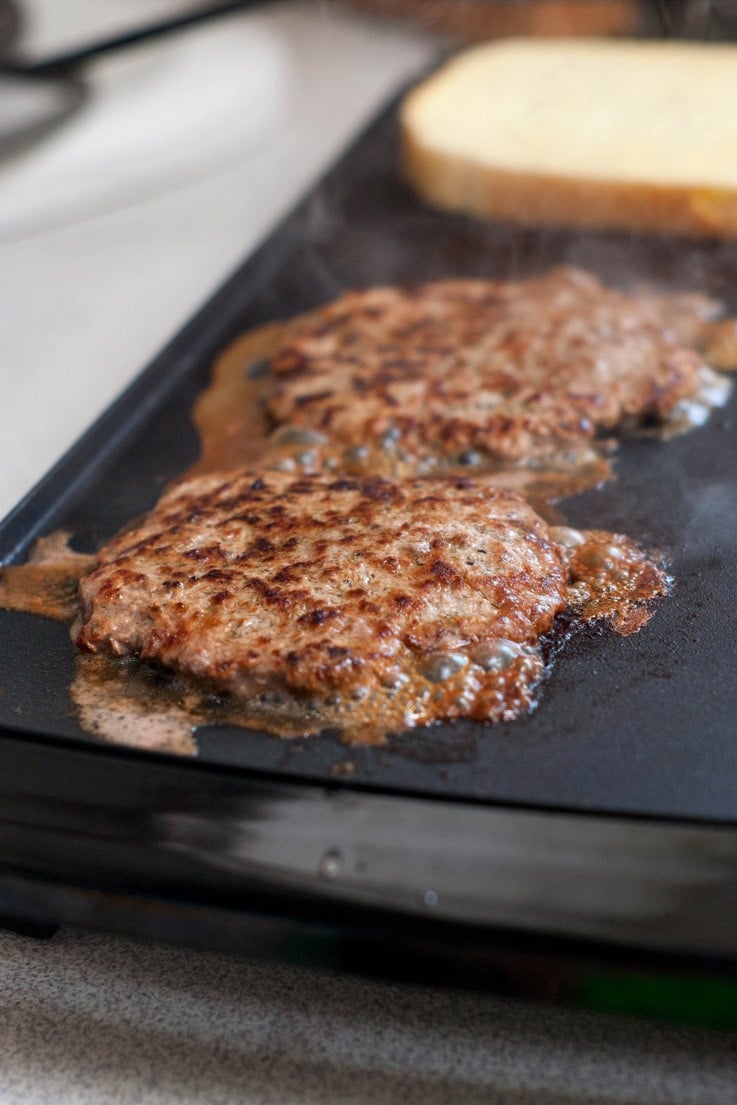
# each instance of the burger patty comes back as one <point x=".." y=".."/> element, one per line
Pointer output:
<point x="359" y="602"/>
<point x="487" y="373"/>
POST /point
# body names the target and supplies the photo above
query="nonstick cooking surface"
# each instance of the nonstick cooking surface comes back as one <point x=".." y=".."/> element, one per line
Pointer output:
<point x="640" y="725"/>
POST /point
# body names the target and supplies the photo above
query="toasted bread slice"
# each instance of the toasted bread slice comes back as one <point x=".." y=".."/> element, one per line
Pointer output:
<point x="589" y="132"/>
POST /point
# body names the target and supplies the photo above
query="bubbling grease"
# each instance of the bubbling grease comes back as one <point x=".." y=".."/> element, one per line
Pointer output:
<point x="610" y="578"/>
<point x="494" y="679"/>
<point x="47" y="583"/>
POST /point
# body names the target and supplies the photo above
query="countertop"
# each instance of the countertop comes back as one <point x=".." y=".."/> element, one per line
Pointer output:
<point x="109" y="239"/>
<point x="95" y="1020"/>
<point x="128" y="216"/>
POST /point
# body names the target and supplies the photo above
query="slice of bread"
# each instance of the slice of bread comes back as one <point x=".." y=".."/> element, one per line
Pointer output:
<point x="635" y="134"/>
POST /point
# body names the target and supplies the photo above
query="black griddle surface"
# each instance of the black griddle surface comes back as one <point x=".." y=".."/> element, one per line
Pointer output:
<point x="643" y="725"/>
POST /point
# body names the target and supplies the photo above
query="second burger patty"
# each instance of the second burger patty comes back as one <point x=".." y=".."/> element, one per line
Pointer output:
<point x="488" y="373"/>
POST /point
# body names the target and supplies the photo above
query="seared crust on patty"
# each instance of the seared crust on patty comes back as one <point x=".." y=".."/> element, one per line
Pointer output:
<point x="487" y="373"/>
<point x="404" y="602"/>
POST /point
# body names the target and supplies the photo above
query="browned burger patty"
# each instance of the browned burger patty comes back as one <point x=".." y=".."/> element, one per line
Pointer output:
<point x="487" y="373"/>
<point x="375" y="603"/>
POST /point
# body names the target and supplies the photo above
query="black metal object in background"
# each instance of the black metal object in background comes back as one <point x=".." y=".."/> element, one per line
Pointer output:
<point x="704" y="20"/>
<point x="68" y="62"/>
<point x="37" y="96"/>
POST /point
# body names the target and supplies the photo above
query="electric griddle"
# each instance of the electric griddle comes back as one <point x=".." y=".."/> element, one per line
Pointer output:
<point x="608" y="816"/>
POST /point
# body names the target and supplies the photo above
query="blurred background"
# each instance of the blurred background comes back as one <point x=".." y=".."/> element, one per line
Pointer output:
<point x="132" y="182"/>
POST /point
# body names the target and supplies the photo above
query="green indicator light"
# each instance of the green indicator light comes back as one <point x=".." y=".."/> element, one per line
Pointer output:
<point x="700" y="1002"/>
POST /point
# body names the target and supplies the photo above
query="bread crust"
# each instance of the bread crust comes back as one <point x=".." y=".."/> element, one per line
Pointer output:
<point x="479" y="187"/>
<point x="459" y="184"/>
